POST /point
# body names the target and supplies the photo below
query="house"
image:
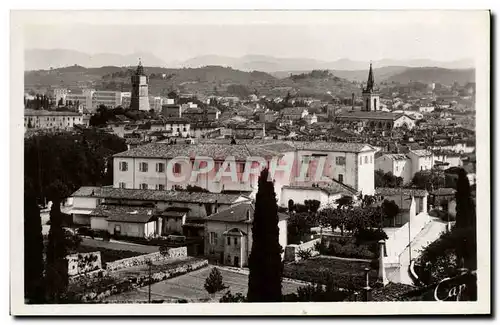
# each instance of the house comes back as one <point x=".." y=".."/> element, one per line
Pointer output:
<point x="42" y="119"/>
<point x="294" y="113"/>
<point x="403" y="197"/>
<point x="228" y="234"/>
<point x="130" y="221"/>
<point x="351" y="164"/>
<point x="171" y="110"/>
<point x="398" y="164"/>
<point x="178" y="127"/>
<point x="171" y="209"/>
<point x="268" y="117"/>
<point x="199" y="114"/>
<point x="375" y="120"/>
<point x="311" y="119"/>
<point x="421" y="159"/>
<point x="326" y="194"/>
<point x="445" y="160"/>
<point x="426" y="109"/>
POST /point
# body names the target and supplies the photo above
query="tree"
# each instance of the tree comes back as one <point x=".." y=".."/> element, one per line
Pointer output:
<point x="214" y="282"/>
<point x="33" y="250"/>
<point x="391" y="210"/>
<point x="466" y="219"/>
<point x="56" y="264"/>
<point x="264" y="281"/>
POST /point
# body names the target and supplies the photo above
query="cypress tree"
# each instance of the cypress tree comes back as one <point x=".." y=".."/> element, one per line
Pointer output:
<point x="264" y="281"/>
<point x="33" y="251"/>
<point x="57" y="265"/>
<point x="466" y="222"/>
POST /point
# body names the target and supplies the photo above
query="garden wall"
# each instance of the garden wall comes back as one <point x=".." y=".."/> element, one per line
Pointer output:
<point x="97" y="293"/>
<point x="291" y="251"/>
<point x="143" y="259"/>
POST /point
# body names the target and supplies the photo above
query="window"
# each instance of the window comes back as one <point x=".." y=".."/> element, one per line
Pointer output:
<point x="341" y="178"/>
<point x="340" y="161"/>
<point x="235" y="241"/>
<point x="143" y="167"/>
<point x="371" y="159"/>
<point x="361" y="160"/>
<point x="160" y="187"/>
<point x="421" y="168"/>
<point x="228" y="241"/>
<point x="123" y="166"/>
<point x="160" y="167"/>
<point x="241" y="167"/>
<point x="177" y="168"/>
<point x="144" y="186"/>
<point x="366" y="159"/>
<point x="123" y="185"/>
<point x="212" y="238"/>
<point x="397" y="168"/>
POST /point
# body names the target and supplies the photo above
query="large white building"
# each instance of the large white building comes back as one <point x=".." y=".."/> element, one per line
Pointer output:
<point x="91" y="99"/>
<point x="299" y="163"/>
<point x="41" y="119"/>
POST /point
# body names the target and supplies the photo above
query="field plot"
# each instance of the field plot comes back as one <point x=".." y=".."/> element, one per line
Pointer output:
<point x="190" y="287"/>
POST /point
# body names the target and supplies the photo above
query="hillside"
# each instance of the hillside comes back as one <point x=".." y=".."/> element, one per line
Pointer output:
<point x="381" y="74"/>
<point x="205" y="80"/>
<point x="433" y="74"/>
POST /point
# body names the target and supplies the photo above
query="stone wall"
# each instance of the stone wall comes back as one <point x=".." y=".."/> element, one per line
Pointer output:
<point x="81" y="263"/>
<point x="98" y="294"/>
<point x="143" y="259"/>
<point x="291" y="251"/>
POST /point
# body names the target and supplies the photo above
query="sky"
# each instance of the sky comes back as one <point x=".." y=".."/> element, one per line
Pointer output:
<point x="356" y="36"/>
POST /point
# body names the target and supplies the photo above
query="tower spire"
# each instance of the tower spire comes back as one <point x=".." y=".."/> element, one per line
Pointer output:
<point x="140" y="69"/>
<point x="371" y="79"/>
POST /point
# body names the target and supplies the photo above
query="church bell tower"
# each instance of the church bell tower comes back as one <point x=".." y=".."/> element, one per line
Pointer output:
<point x="139" y="99"/>
<point x="371" y="99"/>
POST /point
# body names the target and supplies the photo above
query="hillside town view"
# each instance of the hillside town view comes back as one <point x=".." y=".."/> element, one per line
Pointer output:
<point x="215" y="183"/>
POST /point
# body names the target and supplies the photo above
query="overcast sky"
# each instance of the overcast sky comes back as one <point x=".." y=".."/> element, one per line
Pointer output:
<point x="445" y="38"/>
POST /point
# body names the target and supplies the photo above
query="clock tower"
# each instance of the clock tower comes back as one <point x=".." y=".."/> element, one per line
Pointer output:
<point x="139" y="99"/>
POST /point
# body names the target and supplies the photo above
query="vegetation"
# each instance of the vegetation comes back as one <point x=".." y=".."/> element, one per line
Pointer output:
<point x="264" y="281"/>
<point x="302" y="218"/>
<point x="229" y="297"/>
<point x="57" y="266"/>
<point x="387" y="179"/>
<point x="336" y="273"/>
<point x="59" y="164"/>
<point x="444" y="257"/>
<point x="214" y="282"/>
<point x="108" y="255"/>
<point x="33" y="250"/>
<point x="390" y="210"/>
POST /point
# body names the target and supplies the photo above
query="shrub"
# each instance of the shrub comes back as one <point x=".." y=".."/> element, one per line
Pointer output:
<point x="304" y="253"/>
<point x="214" y="282"/>
<point x="229" y="297"/>
<point x="370" y="235"/>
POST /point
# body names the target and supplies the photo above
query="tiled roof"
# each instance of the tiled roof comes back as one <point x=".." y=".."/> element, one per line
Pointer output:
<point x="33" y="112"/>
<point x="152" y="195"/>
<point x="293" y="110"/>
<point x="370" y="115"/>
<point x="396" y="156"/>
<point x="387" y="191"/>
<point x="236" y="213"/>
<point x="331" y="146"/>
<point x="122" y="213"/>
<point x="421" y="152"/>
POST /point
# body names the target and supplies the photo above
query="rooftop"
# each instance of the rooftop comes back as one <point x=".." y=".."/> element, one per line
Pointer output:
<point x="332" y="146"/>
<point x="238" y="213"/>
<point x="120" y="213"/>
<point x="33" y="112"/>
<point x="369" y="115"/>
<point x="152" y="195"/>
<point x="421" y="152"/>
<point x="387" y="191"/>
<point x="396" y="156"/>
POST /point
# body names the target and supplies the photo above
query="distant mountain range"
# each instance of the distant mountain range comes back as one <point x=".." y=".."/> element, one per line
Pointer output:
<point x="36" y="59"/>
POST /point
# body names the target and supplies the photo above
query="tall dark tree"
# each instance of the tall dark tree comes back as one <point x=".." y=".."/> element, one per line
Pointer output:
<point x="466" y="220"/>
<point x="33" y="250"/>
<point x="390" y="210"/>
<point x="56" y="264"/>
<point x="264" y="281"/>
